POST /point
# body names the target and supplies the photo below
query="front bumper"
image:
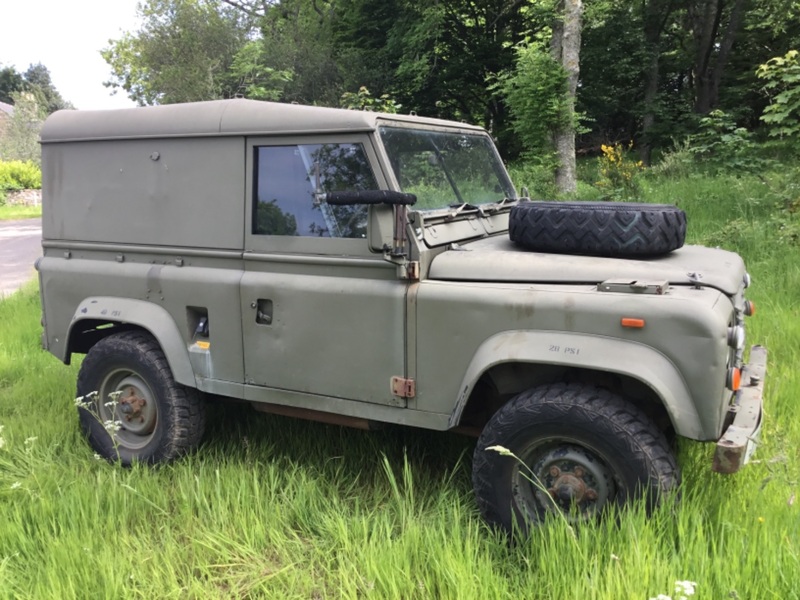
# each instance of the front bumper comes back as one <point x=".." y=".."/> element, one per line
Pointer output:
<point x="739" y="440"/>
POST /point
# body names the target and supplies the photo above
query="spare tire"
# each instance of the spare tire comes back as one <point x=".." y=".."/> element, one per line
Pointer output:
<point x="598" y="228"/>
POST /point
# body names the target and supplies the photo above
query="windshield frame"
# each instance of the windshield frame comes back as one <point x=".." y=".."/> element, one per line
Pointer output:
<point x="495" y="172"/>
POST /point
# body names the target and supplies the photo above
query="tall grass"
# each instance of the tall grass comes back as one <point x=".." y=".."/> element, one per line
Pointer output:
<point x="271" y="507"/>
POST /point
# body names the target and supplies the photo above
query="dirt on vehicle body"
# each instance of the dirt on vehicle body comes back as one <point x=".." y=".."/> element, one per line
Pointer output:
<point x="356" y="268"/>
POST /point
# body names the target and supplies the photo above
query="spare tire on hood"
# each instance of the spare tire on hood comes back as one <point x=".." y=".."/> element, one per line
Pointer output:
<point x="597" y="228"/>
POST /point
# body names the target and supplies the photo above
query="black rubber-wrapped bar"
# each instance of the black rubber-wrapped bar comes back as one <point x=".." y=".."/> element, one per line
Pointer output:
<point x="370" y="197"/>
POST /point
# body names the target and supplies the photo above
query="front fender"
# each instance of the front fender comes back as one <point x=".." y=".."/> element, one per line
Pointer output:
<point x="146" y="315"/>
<point x="588" y="352"/>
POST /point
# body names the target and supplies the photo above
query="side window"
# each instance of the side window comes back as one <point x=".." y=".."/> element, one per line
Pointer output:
<point x="285" y="181"/>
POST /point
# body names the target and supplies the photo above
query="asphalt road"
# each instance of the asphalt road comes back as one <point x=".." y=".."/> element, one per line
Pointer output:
<point x="20" y="246"/>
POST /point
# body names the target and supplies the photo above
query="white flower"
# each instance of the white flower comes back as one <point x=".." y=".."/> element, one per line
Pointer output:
<point x="112" y="426"/>
<point x="30" y="440"/>
<point x="115" y="395"/>
<point x="685" y="588"/>
<point x="97" y="456"/>
<point x="661" y="597"/>
<point x="16" y="485"/>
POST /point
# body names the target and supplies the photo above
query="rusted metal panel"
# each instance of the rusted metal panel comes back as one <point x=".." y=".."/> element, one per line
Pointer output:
<point x="739" y="441"/>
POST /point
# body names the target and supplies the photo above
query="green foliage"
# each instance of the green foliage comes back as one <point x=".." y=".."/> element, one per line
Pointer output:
<point x="782" y="83"/>
<point x="618" y="172"/>
<point x="10" y="82"/>
<point x="39" y="83"/>
<point x="535" y="177"/>
<point x="363" y="100"/>
<point x="535" y="94"/>
<point x="183" y="52"/>
<point x="36" y="81"/>
<point x="20" y="137"/>
<point x="721" y="144"/>
<point x="19" y="175"/>
<point x="255" y="79"/>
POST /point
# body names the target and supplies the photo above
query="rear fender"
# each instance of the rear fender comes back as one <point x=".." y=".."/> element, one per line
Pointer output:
<point x="148" y="316"/>
<point x="587" y="352"/>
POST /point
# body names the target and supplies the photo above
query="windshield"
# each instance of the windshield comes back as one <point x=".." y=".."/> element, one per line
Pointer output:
<point x="445" y="169"/>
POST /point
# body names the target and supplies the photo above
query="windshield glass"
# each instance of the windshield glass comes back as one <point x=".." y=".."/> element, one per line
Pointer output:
<point x="443" y="169"/>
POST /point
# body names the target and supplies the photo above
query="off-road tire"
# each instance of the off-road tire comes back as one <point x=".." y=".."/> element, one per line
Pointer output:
<point x="623" y="456"/>
<point x="615" y="229"/>
<point x="170" y="424"/>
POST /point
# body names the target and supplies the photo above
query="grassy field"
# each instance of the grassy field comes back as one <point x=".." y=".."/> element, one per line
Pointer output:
<point x="271" y="507"/>
<point x="12" y="212"/>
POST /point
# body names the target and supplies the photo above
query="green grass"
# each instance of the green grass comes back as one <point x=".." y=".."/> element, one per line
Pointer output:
<point x="270" y="507"/>
<point x="12" y="212"/>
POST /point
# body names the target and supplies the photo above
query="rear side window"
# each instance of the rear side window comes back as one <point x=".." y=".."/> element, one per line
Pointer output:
<point x="287" y="177"/>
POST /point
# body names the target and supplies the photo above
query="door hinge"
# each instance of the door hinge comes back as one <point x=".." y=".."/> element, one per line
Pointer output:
<point x="404" y="388"/>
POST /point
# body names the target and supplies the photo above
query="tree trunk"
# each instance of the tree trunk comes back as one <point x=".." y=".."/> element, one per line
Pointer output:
<point x="713" y="40"/>
<point x="656" y="16"/>
<point x="565" y="48"/>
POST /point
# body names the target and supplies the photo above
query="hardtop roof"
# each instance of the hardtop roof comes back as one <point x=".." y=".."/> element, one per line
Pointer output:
<point x="219" y="118"/>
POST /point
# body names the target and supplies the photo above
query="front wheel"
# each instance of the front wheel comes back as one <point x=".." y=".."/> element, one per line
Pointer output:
<point x="130" y="407"/>
<point x="569" y="448"/>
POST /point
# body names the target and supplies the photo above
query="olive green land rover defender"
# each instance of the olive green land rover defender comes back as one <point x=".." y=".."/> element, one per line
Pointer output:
<point x="216" y="249"/>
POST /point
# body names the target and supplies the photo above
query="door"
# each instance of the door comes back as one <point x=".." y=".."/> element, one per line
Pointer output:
<point x="322" y="313"/>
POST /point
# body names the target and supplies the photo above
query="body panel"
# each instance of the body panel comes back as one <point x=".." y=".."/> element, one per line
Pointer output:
<point x="498" y="259"/>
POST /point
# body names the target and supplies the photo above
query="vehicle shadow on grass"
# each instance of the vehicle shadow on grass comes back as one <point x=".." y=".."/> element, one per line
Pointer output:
<point x="237" y="432"/>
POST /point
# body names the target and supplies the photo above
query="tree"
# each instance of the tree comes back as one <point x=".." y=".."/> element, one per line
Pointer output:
<point x="183" y="52"/>
<point x="781" y="76"/>
<point x="10" y="82"/>
<point x="715" y="25"/>
<point x="565" y="49"/>
<point x="20" y="139"/>
<point x="37" y="81"/>
<point x="40" y="84"/>
<point x="535" y="92"/>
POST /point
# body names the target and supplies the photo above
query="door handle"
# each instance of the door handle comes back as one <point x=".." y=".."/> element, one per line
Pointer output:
<point x="263" y="311"/>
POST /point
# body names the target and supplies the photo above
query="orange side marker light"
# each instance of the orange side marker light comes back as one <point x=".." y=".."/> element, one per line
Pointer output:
<point x="734" y="379"/>
<point x="632" y="323"/>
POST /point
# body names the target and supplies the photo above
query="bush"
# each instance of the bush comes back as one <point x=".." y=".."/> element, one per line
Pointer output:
<point x="19" y="175"/>
<point x="618" y="172"/>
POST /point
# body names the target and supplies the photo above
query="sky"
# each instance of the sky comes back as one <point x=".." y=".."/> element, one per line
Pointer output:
<point x="66" y="36"/>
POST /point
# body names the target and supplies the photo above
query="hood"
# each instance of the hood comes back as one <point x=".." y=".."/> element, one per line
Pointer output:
<point x="498" y="259"/>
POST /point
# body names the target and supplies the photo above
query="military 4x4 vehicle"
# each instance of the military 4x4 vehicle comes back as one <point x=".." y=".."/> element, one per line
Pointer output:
<point x="362" y="268"/>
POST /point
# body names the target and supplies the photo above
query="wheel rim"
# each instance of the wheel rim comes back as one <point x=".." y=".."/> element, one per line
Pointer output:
<point x="566" y="476"/>
<point x="134" y="411"/>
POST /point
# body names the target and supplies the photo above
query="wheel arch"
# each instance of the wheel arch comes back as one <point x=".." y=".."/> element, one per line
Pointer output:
<point x="528" y="358"/>
<point x="98" y="317"/>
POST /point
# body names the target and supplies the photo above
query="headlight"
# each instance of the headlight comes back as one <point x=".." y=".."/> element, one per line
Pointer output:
<point x="736" y="337"/>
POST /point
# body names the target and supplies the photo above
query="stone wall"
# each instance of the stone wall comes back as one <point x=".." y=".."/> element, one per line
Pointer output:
<point x="24" y="197"/>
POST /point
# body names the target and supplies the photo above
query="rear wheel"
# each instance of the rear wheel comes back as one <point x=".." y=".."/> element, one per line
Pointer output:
<point x="132" y="408"/>
<point x="577" y="450"/>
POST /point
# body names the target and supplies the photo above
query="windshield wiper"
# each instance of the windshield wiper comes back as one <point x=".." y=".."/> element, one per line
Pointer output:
<point x="459" y="208"/>
<point x="450" y="180"/>
<point x="498" y="206"/>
